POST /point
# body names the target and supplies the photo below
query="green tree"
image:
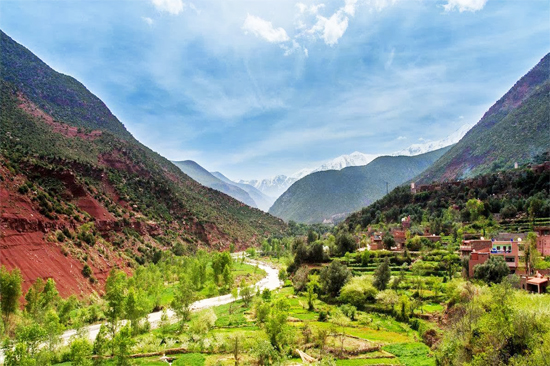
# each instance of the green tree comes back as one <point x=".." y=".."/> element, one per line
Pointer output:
<point x="101" y="344"/>
<point x="494" y="270"/>
<point x="388" y="241"/>
<point x="184" y="296"/>
<point x="227" y="277"/>
<point x="53" y="329"/>
<point x="275" y="324"/>
<point x="333" y="277"/>
<point x="115" y="295"/>
<point x="345" y="243"/>
<point x="81" y="352"/>
<point x="382" y="275"/>
<point x="10" y="292"/>
<point x="122" y="344"/>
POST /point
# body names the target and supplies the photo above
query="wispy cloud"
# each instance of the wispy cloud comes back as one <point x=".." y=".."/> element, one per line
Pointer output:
<point x="264" y="29"/>
<point x="148" y="20"/>
<point x="465" y="5"/>
<point x="402" y="138"/>
<point x="173" y="7"/>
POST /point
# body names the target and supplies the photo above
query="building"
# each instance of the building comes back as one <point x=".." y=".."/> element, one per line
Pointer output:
<point x="543" y="240"/>
<point x="480" y="250"/>
<point x="537" y="283"/>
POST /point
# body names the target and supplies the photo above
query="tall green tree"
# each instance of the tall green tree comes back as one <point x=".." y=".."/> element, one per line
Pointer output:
<point x="183" y="298"/>
<point x="10" y="292"/>
<point x="382" y="275"/>
<point x="494" y="270"/>
<point x="333" y="277"/>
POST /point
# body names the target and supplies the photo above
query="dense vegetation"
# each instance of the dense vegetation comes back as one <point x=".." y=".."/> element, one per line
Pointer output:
<point x="515" y="129"/>
<point x="174" y="283"/>
<point x="516" y="198"/>
<point x="331" y="195"/>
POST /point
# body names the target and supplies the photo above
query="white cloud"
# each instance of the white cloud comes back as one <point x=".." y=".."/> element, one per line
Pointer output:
<point x="306" y="52"/>
<point x="465" y="5"/>
<point x="148" y="20"/>
<point x="173" y="7"/>
<point x="263" y="28"/>
<point x="402" y="138"/>
<point x="289" y="50"/>
<point x="193" y="7"/>
<point x="379" y="5"/>
<point x="331" y="29"/>
<point x="312" y="9"/>
<point x="349" y="8"/>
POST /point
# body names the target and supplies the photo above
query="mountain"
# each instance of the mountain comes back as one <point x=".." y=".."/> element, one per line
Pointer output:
<point x="272" y="187"/>
<point x="78" y="190"/>
<point x="263" y="201"/>
<point x="331" y="195"/>
<point x="417" y="149"/>
<point x="279" y="184"/>
<point x="515" y="129"/>
<point x="205" y="178"/>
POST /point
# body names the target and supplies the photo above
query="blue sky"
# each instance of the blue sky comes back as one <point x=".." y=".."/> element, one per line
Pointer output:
<point x="259" y="88"/>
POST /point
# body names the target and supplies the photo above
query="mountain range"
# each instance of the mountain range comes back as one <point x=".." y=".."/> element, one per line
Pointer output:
<point x="328" y="196"/>
<point x="78" y="190"/>
<point x="516" y="129"/>
<point x="242" y="192"/>
<point x="276" y="186"/>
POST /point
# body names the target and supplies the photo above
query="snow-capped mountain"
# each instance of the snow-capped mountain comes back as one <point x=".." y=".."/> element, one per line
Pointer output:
<point x="277" y="185"/>
<point x="416" y="149"/>
<point x="273" y="187"/>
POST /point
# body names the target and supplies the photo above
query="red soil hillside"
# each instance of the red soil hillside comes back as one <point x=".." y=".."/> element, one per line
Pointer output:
<point x="78" y="191"/>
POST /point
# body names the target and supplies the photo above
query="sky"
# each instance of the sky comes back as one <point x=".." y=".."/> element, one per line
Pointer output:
<point x="259" y="88"/>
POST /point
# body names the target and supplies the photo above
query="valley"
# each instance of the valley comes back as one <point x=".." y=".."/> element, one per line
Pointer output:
<point x="118" y="248"/>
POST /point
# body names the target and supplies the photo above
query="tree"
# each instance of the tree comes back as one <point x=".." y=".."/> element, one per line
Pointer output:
<point x="531" y="254"/>
<point x="227" y="276"/>
<point x="340" y="320"/>
<point x="136" y="308"/>
<point x="122" y="343"/>
<point x="494" y="270"/>
<point x="81" y="351"/>
<point x="10" y="291"/>
<point x="387" y="298"/>
<point x="333" y="277"/>
<point x="246" y="293"/>
<point x="201" y="325"/>
<point x="382" y="275"/>
<point x="235" y="346"/>
<point x="115" y="289"/>
<point x="358" y="291"/>
<point x="183" y="298"/>
<point x="388" y="241"/>
<point x="53" y="329"/>
<point x="345" y="243"/>
<point x="276" y="324"/>
<point x="101" y="344"/>
<point x="311" y="295"/>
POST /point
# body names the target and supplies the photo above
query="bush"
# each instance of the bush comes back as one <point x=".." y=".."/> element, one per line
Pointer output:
<point x="86" y="271"/>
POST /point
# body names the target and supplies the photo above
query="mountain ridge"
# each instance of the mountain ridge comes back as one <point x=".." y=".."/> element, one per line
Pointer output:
<point x="323" y="196"/>
<point x="514" y="130"/>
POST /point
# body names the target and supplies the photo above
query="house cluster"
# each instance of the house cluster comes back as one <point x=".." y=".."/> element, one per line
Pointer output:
<point x="399" y="236"/>
<point x="511" y="248"/>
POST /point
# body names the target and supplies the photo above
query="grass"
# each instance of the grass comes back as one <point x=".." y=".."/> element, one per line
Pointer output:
<point x="411" y="354"/>
<point x="371" y="361"/>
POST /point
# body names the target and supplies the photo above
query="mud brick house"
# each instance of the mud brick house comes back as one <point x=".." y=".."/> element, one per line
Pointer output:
<point x="537" y="283"/>
<point x="479" y="251"/>
<point x="543" y="240"/>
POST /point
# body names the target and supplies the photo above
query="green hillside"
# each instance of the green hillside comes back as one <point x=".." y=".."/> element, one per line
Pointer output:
<point x="205" y="178"/>
<point x="321" y="196"/>
<point x="515" y="129"/>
